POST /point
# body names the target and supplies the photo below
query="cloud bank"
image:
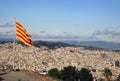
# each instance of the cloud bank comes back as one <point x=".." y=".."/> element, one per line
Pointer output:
<point x="6" y="24"/>
<point x="107" y="35"/>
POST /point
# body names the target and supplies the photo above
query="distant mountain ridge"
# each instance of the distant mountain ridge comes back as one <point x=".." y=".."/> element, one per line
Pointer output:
<point x="92" y="45"/>
<point x="50" y="45"/>
<point x="99" y="44"/>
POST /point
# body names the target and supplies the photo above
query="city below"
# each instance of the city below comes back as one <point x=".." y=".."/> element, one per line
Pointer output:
<point x="42" y="58"/>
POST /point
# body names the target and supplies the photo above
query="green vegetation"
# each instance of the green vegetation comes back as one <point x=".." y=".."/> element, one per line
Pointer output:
<point x="71" y="73"/>
<point x="68" y="73"/>
<point x="85" y="75"/>
<point x="19" y="80"/>
<point x="118" y="78"/>
<point x="54" y="73"/>
<point x="107" y="73"/>
<point x="50" y="45"/>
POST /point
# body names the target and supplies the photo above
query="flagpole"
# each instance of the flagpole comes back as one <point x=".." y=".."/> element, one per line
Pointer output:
<point x="14" y="47"/>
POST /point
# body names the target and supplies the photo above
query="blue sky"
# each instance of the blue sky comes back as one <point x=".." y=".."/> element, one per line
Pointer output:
<point x="63" y="19"/>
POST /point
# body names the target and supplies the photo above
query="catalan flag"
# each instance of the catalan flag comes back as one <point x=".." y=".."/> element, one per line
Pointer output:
<point x="23" y="35"/>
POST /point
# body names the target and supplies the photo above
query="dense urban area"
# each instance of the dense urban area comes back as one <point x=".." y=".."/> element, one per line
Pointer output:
<point x="41" y="59"/>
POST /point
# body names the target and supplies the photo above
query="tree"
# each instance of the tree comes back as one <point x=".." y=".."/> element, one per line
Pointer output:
<point x="68" y="73"/>
<point x="118" y="78"/>
<point x="107" y="73"/>
<point x="85" y="75"/>
<point x="71" y="73"/>
<point x="54" y="73"/>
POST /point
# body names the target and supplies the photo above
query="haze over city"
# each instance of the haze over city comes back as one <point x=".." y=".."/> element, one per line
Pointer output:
<point x="76" y="20"/>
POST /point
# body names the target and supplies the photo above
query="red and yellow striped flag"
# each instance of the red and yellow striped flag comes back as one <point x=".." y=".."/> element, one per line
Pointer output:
<point x="23" y="35"/>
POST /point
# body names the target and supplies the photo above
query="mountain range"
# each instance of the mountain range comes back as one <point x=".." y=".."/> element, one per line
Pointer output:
<point x="85" y="44"/>
<point x="99" y="44"/>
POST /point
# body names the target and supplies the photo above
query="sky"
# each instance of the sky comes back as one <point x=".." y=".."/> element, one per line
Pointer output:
<point x="76" y="20"/>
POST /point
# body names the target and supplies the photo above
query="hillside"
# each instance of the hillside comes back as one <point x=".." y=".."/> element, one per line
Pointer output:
<point x="23" y="76"/>
<point x="51" y="45"/>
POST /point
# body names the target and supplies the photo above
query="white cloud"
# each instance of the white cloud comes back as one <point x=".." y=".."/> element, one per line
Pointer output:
<point x="6" y="24"/>
<point x="99" y="35"/>
<point x="56" y="37"/>
<point x="102" y="32"/>
<point x="42" y="32"/>
<point x="118" y="27"/>
<point x="6" y="34"/>
<point x="107" y="35"/>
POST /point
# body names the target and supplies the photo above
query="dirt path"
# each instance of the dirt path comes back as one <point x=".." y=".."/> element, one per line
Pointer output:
<point x="15" y="76"/>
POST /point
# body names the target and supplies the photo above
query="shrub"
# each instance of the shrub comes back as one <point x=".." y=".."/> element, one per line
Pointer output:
<point x="70" y="73"/>
<point x="107" y="73"/>
<point x="118" y="78"/>
<point x="54" y="73"/>
<point x="85" y="75"/>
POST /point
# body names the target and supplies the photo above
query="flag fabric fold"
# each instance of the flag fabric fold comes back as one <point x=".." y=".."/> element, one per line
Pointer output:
<point x="23" y="35"/>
